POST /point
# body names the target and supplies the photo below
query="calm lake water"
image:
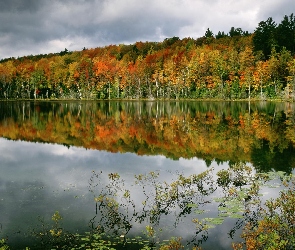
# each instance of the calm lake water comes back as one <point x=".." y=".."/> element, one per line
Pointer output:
<point x="57" y="156"/>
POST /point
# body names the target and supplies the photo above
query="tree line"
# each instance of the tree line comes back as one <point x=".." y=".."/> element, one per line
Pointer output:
<point x="237" y="65"/>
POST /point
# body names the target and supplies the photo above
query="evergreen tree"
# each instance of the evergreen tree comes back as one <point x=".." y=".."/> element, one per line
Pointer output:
<point x="286" y="33"/>
<point x="208" y="33"/>
<point x="235" y="32"/>
<point x="220" y="35"/>
<point x="264" y="37"/>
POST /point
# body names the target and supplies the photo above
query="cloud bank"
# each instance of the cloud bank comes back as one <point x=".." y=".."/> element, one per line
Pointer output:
<point x="45" y="26"/>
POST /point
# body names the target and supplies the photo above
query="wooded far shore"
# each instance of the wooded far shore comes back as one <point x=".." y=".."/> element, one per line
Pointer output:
<point x="237" y="65"/>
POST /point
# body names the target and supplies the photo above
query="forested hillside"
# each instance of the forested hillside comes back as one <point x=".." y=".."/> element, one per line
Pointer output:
<point x="237" y="65"/>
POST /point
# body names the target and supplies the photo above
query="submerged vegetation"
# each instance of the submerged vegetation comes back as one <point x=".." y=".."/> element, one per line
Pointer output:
<point x="265" y="223"/>
<point x="237" y="65"/>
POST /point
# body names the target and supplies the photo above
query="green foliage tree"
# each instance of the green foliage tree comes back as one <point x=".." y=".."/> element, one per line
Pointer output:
<point x="235" y="32"/>
<point x="209" y="33"/>
<point x="286" y="33"/>
<point x="220" y="35"/>
<point x="265" y="37"/>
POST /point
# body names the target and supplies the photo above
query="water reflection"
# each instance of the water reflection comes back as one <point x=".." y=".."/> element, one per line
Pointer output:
<point x="39" y="179"/>
<point x="46" y="168"/>
<point x="261" y="133"/>
<point x="161" y="205"/>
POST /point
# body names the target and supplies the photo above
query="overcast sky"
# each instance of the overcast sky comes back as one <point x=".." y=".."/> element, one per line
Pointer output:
<point x="45" y="26"/>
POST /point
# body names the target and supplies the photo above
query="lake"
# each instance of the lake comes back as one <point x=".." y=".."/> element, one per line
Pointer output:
<point x="134" y="168"/>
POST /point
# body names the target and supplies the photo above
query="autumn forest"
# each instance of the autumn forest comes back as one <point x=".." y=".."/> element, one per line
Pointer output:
<point x="237" y="65"/>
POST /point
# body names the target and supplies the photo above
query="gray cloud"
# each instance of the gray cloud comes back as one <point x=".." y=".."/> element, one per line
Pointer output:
<point x="34" y="27"/>
<point x="276" y="9"/>
<point x="19" y="6"/>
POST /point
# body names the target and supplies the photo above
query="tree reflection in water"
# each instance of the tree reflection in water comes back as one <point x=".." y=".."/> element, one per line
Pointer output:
<point x="261" y="133"/>
<point x="188" y="206"/>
